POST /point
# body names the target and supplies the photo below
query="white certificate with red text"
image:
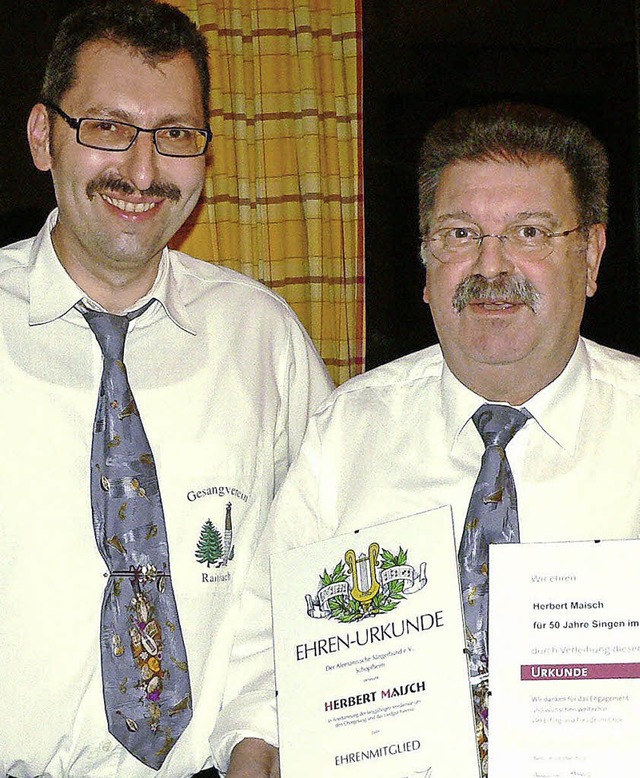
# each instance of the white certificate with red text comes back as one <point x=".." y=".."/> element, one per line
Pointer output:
<point x="369" y="644"/>
<point x="564" y="660"/>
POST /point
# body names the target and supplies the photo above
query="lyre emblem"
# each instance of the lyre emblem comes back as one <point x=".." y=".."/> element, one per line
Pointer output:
<point x="363" y="573"/>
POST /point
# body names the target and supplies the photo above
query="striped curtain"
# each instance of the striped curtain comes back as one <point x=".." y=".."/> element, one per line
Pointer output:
<point x="283" y="197"/>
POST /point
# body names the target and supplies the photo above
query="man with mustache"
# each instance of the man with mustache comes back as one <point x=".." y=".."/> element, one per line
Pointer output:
<point x="513" y="207"/>
<point x="224" y="379"/>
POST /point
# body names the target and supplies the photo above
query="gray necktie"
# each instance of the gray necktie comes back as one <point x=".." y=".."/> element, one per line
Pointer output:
<point x="492" y="517"/>
<point x="145" y="679"/>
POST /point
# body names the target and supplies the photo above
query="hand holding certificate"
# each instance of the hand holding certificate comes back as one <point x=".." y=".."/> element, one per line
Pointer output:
<point x="371" y="674"/>
<point x="565" y="660"/>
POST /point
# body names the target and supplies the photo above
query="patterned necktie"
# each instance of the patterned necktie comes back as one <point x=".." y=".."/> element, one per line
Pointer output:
<point x="492" y="517"/>
<point x="145" y="679"/>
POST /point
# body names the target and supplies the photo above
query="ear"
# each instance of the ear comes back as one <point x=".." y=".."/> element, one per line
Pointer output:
<point x="423" y="257"/>
<point x="595" y="246"/>
<point x="38" y="129"/>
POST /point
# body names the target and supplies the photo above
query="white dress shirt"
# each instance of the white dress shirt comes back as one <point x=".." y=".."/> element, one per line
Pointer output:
<point x="400" y="439"/>
<point x="225" y="378"/>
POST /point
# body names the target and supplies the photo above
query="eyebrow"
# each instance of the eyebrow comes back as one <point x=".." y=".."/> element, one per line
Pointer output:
<point x="117" y="114"/>
<point x="465" y="215"/>
<point x="548" y="215"/>
<point x="455" y="215"/>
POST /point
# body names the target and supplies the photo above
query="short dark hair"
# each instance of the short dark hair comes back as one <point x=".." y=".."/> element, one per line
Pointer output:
<point x="516" y="132"/>
<point x="158" y="31"/>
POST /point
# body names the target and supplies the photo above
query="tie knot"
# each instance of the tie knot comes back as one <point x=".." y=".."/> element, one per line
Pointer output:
<point x="497" y="424"/>
<point x="110" y="331"/>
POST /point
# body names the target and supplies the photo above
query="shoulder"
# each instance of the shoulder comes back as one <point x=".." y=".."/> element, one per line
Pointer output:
<point x="253" y="319"/>
<point x="16" y="261"/>
<point x="197" y="277"/>
<point x="213" y="293"/>
<point x="16" y="255"/>
<point x="22" y="255"/>
<point x="619" y="370"/>
<point x="389" y="384"/>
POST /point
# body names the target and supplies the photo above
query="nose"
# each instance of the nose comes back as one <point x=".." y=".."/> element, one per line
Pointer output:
<point x="140" y="163"/>
<point x="493" y="257"/>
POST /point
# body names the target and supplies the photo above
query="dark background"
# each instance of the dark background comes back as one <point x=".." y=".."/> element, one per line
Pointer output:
<point x="26" y="33"/>
<point x="422" y="59"/>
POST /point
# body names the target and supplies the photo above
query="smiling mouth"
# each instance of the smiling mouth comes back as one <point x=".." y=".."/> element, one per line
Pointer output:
<point x="124" y="205"/>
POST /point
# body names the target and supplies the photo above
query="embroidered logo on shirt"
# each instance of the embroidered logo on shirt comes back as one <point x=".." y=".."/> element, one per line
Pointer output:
<point x="364" y="586"/>
<point x="214" y="548"/>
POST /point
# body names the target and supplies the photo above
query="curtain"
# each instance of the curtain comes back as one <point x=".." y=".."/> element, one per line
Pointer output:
<point x="283" y="196"/>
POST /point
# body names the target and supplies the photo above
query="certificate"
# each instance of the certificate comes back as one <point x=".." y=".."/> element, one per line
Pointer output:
<point x="369" y="646"/>
<point x="564" y="660"/>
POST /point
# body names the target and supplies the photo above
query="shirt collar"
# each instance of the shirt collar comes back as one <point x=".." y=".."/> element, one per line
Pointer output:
<point x="52" y="291"/>
<point x="557" y="408"/>
<point x="459" y="404"/>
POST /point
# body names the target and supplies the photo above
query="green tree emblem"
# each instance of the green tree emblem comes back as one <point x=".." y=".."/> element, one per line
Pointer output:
<point x="210" y="547"/>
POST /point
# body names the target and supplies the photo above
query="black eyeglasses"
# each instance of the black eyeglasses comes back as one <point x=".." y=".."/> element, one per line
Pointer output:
<point x="109" y="135"/>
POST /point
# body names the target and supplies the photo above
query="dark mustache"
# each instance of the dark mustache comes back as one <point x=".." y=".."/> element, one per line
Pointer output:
<point x="109" y="183"/>
<point x="503" y="288"/>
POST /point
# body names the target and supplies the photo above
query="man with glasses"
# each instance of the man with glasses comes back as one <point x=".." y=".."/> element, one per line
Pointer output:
<point x="513" y="207"/>
<point x="98" y="674"/>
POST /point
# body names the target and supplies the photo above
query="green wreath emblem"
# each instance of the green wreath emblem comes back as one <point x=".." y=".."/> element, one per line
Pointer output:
<point x="346" y="609"/>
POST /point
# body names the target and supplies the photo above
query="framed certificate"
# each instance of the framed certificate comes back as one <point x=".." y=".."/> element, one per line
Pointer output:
<point x="369" y="645"/>
<point x="564" y="668"/>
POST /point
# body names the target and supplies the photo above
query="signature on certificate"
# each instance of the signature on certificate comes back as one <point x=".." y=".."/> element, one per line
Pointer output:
<point x="426" y="772"/>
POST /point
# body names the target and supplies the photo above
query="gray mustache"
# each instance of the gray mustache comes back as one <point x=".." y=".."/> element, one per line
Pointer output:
<point x="503" y="288"/>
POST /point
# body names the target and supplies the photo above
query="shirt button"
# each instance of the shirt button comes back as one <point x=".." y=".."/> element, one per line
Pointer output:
<point x="106" y="746"/>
